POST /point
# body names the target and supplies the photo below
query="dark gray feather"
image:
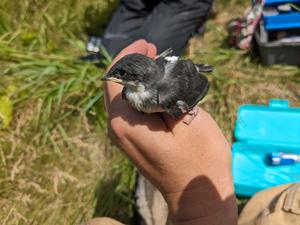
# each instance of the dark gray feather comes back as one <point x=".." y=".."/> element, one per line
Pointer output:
<point x="183" y="83"/>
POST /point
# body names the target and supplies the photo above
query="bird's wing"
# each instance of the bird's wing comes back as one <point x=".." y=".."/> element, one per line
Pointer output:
<point x="182" y="88"/>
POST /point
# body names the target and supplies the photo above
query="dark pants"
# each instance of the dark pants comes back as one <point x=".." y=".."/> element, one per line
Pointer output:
<point x="166" y="23"/>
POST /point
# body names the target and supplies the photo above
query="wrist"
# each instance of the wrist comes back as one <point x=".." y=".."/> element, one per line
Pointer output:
<point x="218" y="219"/>
<point x="203" y="202"/>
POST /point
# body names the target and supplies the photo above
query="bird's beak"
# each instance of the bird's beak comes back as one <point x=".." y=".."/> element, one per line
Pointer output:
<point x="113" y="79"/>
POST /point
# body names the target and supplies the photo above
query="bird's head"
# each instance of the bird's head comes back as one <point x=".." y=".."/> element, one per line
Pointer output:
<point x="134" y="71"/>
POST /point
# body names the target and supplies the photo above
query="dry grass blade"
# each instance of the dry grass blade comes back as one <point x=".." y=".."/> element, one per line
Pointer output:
<point x="55" y="155"/>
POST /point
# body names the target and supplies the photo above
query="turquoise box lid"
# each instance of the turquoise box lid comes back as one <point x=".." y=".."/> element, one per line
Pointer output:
<point x="261" y="130"/>
<point x="273" y="124"/>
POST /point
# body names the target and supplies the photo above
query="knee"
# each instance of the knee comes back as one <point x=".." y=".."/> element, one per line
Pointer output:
<point x="103" y="221"/>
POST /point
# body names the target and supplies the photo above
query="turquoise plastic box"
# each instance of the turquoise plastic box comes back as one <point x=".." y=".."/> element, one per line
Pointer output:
<point x="261" y="130"/>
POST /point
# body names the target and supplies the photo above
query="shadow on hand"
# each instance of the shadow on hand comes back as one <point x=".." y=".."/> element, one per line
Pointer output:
<point x="201" y="201"/>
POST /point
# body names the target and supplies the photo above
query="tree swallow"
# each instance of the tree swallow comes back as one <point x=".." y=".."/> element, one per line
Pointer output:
<point x="164" y="84"/>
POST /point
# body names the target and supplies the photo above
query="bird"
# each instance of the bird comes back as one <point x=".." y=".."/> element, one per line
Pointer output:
<point x="164" y="84"/>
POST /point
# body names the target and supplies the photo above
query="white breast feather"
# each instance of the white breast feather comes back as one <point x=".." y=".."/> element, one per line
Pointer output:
<point x="137" y="99"/>
<point x="141" y="100"/>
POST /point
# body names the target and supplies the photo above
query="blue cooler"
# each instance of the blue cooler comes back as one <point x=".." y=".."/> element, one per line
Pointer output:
<point x="261" y="130"/>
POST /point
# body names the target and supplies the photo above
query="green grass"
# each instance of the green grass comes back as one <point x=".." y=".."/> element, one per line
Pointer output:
<point x="56" y="164"/>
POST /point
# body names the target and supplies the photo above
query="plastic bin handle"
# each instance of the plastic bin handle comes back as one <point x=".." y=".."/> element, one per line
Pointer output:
<point x="279" y="103"/>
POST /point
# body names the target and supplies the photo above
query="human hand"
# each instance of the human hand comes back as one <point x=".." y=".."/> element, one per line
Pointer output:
<point x="189" y="164"/>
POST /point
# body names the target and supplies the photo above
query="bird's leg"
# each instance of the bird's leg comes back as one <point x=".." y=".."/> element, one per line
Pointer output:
<point x="188" y="118"/>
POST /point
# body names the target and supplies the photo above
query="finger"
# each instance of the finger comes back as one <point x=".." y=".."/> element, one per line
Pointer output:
<point x="152" y="51"/>
<point x="112" y="90"/>
<point x="139" y="46"/>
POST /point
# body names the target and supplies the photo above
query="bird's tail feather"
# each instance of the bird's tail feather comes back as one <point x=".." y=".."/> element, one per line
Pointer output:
<point x="164" y="53"/>
<point x="204" y="68"/>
